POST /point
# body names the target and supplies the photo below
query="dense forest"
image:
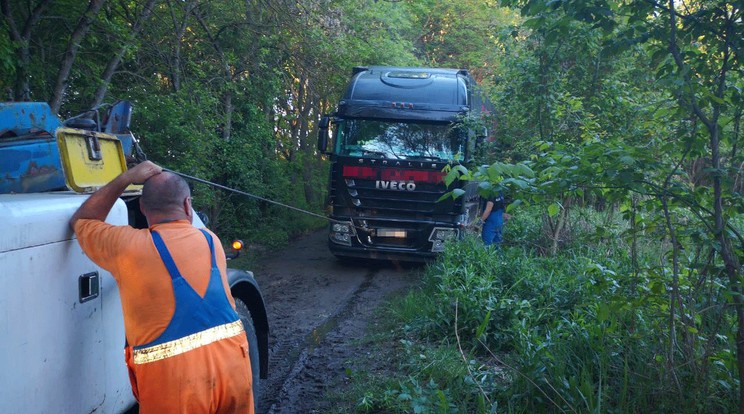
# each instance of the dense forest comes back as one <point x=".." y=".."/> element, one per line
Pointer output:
<point x="618" y="124"/>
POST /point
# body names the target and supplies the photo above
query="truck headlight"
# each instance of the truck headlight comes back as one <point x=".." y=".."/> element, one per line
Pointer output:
<point x="341" y="228"/>
<point x="341" y="233"/>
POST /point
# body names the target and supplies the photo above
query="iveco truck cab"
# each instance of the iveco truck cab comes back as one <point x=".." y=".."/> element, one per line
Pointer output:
<point x="394" y="132"/>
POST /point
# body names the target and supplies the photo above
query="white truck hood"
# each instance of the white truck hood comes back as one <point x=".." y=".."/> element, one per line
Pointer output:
<point x="28" y="220"/>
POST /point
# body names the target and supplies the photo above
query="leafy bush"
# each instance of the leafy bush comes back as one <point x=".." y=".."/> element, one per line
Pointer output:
<point x="187" y="141"/>
<point x="586" y="331"/>
<point x="491" y="291"/>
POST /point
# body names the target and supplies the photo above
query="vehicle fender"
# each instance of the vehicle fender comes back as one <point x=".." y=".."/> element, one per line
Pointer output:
<point x="244" y="286"/>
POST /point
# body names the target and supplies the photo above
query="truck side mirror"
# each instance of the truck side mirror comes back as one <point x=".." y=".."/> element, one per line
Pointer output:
<point x="323" y="133"/>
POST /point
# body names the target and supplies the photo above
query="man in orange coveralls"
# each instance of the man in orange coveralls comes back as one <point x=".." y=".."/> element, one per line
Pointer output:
<point x="187" y="351"/>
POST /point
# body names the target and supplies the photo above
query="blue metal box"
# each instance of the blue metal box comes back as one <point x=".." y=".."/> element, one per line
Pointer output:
<point x="29" y="157"/>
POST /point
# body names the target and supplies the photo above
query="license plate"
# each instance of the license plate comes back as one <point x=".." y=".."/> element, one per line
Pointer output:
<point x="397" y="233"/>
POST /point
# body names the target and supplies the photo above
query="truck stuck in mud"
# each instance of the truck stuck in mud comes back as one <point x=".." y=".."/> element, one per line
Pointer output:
<point x="394" y="131"/>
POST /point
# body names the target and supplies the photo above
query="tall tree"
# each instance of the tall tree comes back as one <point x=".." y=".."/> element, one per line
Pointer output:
<point x="708" y="96"/>
<point x="73" y="46"/>
<point x="696" y="50"/>
<point x="126" y="44"/>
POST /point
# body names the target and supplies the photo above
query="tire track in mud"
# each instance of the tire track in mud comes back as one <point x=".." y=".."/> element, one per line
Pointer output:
<point x="303" y="384"/>
<point x="318" y="309"/>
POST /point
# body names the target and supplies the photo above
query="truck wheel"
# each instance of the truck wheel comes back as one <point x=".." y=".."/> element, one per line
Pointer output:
<point x="250" y="333"/>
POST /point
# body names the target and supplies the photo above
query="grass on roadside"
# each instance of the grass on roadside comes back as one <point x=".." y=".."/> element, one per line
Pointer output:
<point x="514" y="331"/>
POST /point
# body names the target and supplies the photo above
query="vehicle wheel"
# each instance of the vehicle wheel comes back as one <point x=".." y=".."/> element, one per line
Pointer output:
<point x="250" y="333"/>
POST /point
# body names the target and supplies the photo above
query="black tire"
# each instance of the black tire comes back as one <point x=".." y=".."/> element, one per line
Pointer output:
<point x="250" y="333"/>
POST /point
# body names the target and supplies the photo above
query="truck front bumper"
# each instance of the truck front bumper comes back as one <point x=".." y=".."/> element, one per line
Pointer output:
<point x="418" y="242"/>
<point x="380" y="254"/>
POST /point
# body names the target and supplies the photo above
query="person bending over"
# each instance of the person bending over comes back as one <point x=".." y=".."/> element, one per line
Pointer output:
<point x="186" y="348"/>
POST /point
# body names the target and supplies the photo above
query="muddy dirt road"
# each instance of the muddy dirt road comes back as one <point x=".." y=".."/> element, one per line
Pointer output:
<point x="318" y="307"/>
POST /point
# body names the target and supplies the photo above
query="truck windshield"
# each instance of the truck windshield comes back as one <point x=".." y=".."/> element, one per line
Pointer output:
<point x="400" y="140"/>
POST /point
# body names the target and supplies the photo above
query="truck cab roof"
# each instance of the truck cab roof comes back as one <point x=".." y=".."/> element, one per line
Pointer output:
<point x="395" y="92"/>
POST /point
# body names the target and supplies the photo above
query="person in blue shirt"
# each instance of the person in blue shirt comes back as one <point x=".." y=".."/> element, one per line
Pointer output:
<point x="493" y="217"/>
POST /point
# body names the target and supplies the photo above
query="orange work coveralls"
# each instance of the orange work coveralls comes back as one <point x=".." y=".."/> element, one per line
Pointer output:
<point x="187" y="350"/>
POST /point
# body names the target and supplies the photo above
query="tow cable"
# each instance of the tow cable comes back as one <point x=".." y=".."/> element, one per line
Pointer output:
<point x="220" y="186"/>
<point x="141" y="156"/>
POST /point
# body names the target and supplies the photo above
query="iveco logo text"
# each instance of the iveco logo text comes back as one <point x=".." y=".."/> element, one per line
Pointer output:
<point x="395" y="185"/>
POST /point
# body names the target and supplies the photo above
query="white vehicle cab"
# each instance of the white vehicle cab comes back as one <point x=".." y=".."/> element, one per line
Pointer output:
<point x="60" y="314"/>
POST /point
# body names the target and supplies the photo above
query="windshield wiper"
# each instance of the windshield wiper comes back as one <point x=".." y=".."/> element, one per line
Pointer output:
<point x="372" y="152"/>
<point x="424" y="157"/>
<point x="381" y="154"/>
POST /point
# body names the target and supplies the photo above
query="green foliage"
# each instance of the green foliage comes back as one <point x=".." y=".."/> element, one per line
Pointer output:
<point x="227" y="93"/>
<point x="616" y="137"/>
<point x="587" y="331"/>
<point x="183" y="141"/>
<point x="7" y="62"/>
<point x="385" y="38"/>
<point x="500" y="287"/>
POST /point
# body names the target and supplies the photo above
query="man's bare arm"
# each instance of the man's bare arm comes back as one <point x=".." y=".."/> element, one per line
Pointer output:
<point x="487" y="211"/>
<point x="99" y="204"/>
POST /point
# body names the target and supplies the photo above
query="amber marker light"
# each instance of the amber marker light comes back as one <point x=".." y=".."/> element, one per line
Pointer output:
<point x="237" y="245"/>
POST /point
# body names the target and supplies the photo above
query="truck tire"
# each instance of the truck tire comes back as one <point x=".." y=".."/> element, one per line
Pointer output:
<point x="250" y="333"/>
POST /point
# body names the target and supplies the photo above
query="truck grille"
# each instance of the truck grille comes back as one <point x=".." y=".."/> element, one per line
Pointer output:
<point x="419" y="203"/>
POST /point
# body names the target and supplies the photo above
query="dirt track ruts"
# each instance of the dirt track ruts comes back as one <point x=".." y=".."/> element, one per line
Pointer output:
<point x="318" y="309"/>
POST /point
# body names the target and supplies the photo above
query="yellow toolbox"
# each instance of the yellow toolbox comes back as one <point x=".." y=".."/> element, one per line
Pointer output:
<point x="90" y="159"/>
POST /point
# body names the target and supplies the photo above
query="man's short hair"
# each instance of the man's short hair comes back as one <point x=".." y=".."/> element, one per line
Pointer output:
<point x="164" y="193"/>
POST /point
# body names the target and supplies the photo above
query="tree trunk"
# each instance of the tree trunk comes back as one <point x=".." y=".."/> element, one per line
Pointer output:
<point x="557" y="227"/>
<point x="674" y="298"/>
<point x="730" y="260"/>
<point x="731" y="263"/>
<point x="113" y="64"/>
<point x="227" y="96"/>
<point x="63" y="76"/>
<point x="179" y="30"/>
<point x="307" y="103"/>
